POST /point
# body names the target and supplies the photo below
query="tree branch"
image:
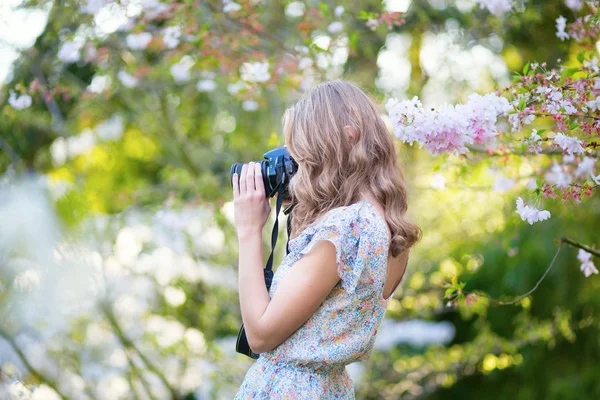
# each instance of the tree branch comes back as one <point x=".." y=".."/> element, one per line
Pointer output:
<point x="39" y="375"/>
<point x="107" y="311"/>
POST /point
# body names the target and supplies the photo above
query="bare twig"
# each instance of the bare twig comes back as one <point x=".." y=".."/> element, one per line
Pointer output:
<point x="563" y="240"/>
<point x="107" y="310"/>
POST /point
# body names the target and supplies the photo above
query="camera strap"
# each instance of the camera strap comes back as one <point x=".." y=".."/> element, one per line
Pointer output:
<point x="242" y="345"/>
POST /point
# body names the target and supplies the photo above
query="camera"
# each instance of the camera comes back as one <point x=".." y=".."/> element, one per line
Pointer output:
<point x="277" y="170"/>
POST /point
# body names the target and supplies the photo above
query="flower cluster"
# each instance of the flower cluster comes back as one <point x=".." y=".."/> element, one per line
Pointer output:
<point x="448" y="128"/>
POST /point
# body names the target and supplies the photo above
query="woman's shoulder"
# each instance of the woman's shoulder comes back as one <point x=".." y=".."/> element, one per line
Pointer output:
<point x="358" y="219"/>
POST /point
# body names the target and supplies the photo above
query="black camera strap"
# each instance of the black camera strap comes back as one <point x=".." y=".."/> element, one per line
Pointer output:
<point x="242" y="345"/>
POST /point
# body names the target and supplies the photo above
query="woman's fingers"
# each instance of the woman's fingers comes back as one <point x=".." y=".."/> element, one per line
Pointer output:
<point x="258" y="181"/>
<point x="243" y="180"/>
<point x="236" y="187"/>
<point x="250" y="177"/>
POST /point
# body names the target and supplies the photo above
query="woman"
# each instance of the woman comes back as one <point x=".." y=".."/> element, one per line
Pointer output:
<point x="348" y="248"/>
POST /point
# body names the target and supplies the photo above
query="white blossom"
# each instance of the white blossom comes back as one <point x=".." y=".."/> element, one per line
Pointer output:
<point x="558" y="176"/>
<point x="561" y="24"/>
<point x="172" y="36"/>
<point x="587" y="266"/>
<point x="181" y="70"/>
<point x="295" y="9"/>
<point x="69" y="52"/>
<point x="250" y="105"/>
<point x="496" y="7"/>
<point x="111" y="129"/>
<point x="206" y="85"/>
<point x="255" y="71"/>
<point x="174" y="296"/>
<point x="569" y="144"/>
<point x="335" y="27"/>
<point x="233" y="88"/>
<point x="19" y="103"/>
<point x="26" y="280"/>
<point x="230" y="6"/>
<point x="127" y="79"/>
<point x="138" y="41"/>
<point x="438" y="181"/>
<point x="502" y="184"/>
<point x="339" y="10"/>
<point x="92" y="6"/>
<point x="592" y="64"/>
<point x="574" y="5"/>
<point x="585" y="167"/>
<point x="305" y="63"/>
<point x="530" y="213"/>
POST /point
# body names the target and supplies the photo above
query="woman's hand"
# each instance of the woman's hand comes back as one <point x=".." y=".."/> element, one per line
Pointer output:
<point x="251" y="206"/>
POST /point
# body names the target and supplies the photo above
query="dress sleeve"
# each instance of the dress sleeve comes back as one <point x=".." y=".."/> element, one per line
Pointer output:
<point x="345" y="230"/>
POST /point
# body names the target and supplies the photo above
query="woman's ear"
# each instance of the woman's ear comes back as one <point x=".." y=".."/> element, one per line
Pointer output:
<point x="352" y="133"/>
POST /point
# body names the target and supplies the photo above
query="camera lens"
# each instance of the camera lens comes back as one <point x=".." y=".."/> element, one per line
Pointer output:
<point x="237" y="168"/>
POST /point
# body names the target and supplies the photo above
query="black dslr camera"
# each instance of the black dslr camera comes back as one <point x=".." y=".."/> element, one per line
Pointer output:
<point x="277" y="171"/>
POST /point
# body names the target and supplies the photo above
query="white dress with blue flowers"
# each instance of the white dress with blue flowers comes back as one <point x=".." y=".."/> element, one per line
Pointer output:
<point x="310" y="364"/>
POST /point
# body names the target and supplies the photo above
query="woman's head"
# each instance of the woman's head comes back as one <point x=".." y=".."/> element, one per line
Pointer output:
<point x="343" y="149"/>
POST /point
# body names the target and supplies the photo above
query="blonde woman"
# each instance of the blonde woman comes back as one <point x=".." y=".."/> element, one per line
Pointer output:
<point x="349" y="248"/>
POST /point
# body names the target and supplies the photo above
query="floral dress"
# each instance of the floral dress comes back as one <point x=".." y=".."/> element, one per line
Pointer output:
<point x="310" y="364"/>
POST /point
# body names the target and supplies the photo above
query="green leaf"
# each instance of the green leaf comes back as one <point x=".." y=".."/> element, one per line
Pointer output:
<point x="526" y="68"/>
<point x="573" y="126"/>
<point x="580" y="56"/>
<point x="323" y="8"/>
<point x="567" y="72"/>
<point x="522" y="103"/>
<point x="449" y="291"/>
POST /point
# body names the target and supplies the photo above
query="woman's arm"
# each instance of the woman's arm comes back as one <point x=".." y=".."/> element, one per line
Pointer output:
<point x="268" y="322"/>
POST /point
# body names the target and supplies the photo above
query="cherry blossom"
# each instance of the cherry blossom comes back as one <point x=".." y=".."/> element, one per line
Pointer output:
<point x="569" y="144"/>
<point x="127" y="80"/>
<point x="574" y="5"/>
<point x="335" y="27"/>
<point x="206" y="85"/>
<point x="69" y="52"/>
<point x="181" y="70"/>
<point x="585" y="167"/>
<point x="496" y="7"/>
<point x="447" y="128"/>
<point x="559" y="176"/>
<point x="255" y="71"/>
<point x="587" y="266"/>
<point x="171" y="36"/>
<point x="230" y="6"/>
<point x="92" y="6"/>
<point x="21" y="102"/>
<point x="438" y="181"/>
<point x="561" y="23"/>
<point x="503" y="184"/>
<point x="530" y="213"/>
<point x="138" y="41"/>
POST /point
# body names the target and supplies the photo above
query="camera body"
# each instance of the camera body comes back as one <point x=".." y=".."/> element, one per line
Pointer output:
<point x="277" y="170"/>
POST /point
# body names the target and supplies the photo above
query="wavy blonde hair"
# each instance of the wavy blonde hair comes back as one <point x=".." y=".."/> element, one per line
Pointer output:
<point x="334" y="170"/>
